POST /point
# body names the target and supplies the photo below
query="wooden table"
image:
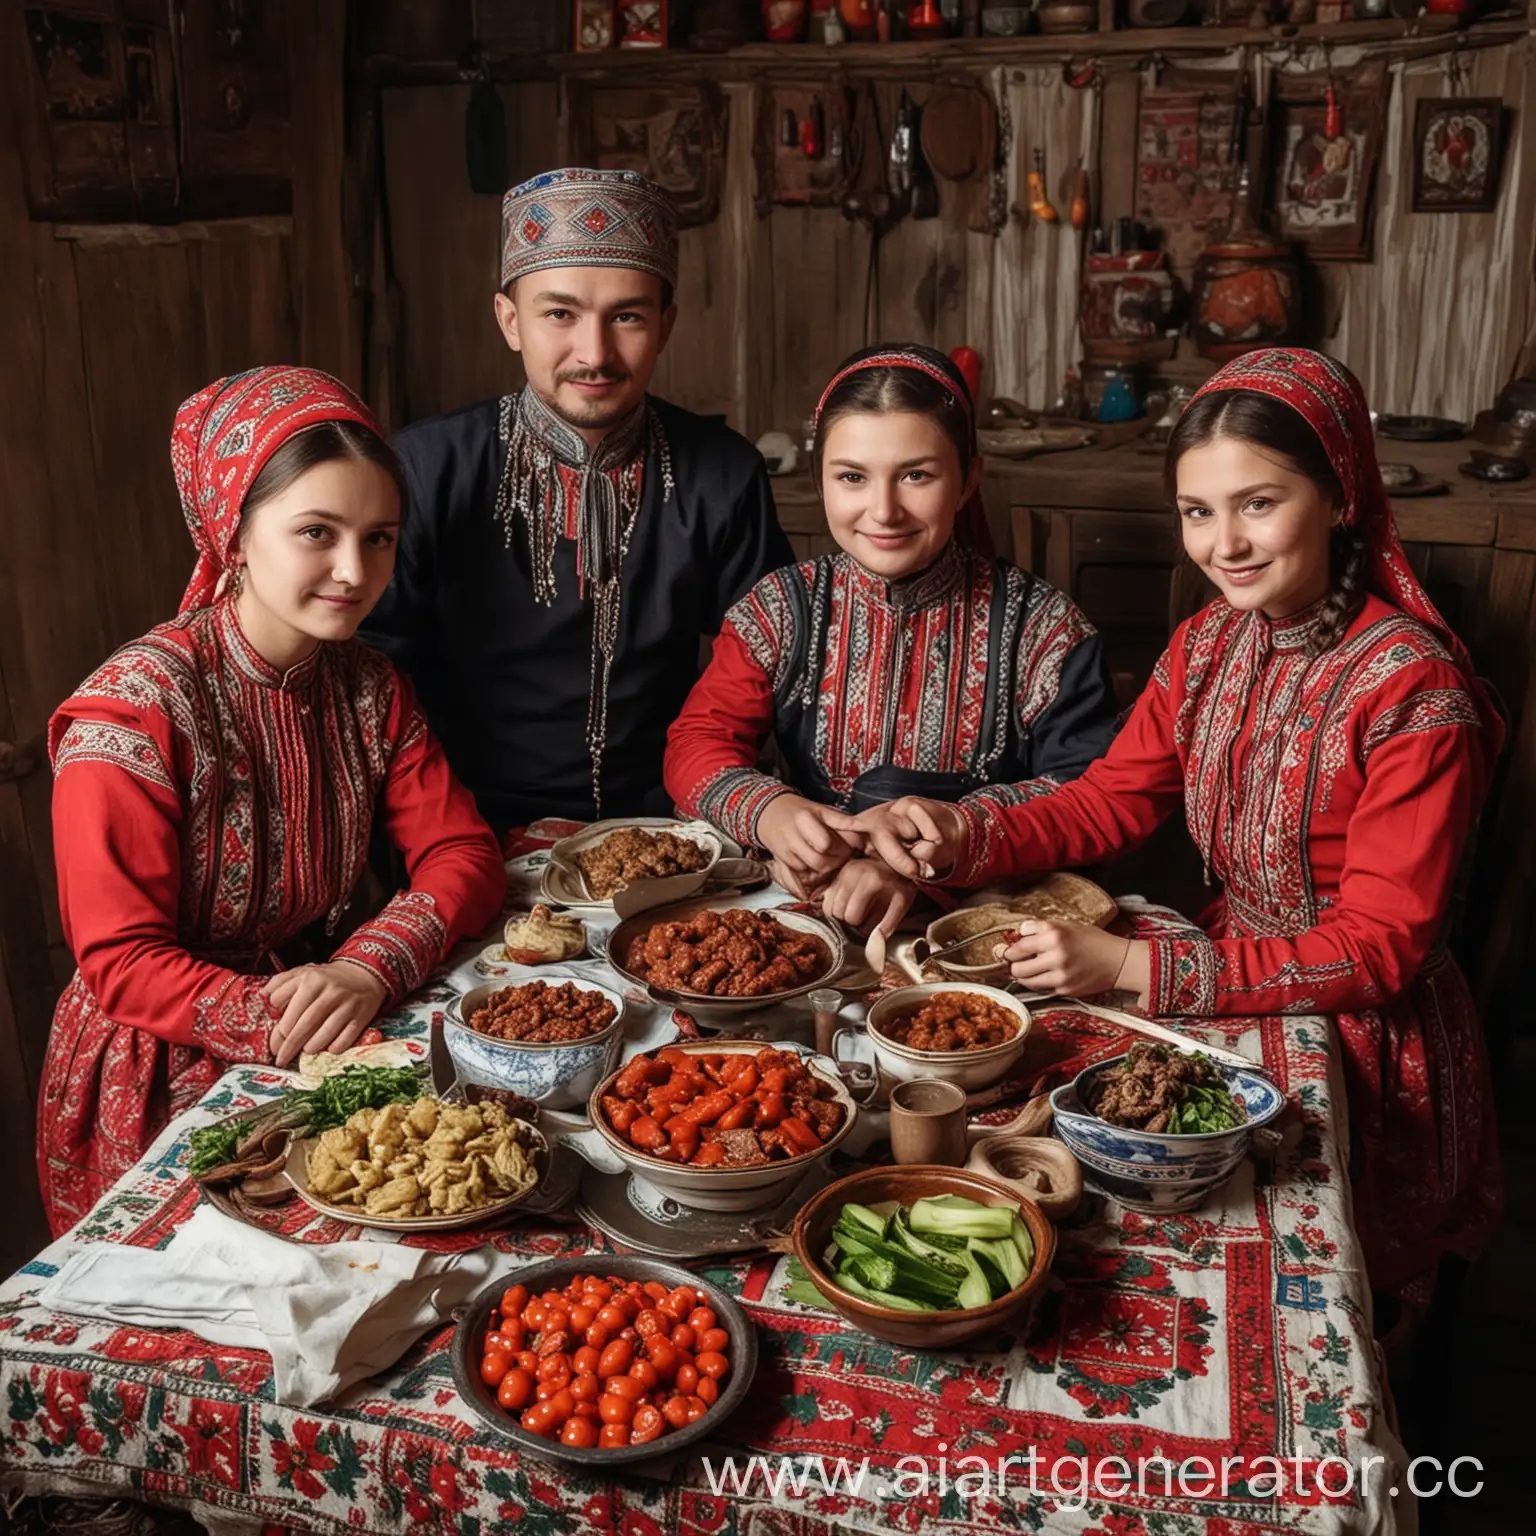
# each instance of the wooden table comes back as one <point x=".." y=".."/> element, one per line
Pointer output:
<point x="1096" y="523"/>
<point x="1239" y="1333"/>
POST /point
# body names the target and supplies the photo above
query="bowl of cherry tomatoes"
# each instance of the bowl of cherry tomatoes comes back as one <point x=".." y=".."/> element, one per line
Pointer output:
<point x="603" y="1360"/>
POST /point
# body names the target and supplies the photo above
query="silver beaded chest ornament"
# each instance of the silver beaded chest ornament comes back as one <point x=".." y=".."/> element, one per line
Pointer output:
<point x="608" y="482"/>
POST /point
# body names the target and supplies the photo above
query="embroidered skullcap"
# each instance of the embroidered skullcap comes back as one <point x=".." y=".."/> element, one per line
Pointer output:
<point x="585" y="218"/>
<point x="224" y="435"/>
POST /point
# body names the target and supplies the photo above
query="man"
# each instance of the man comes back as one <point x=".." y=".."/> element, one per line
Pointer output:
<point x="567" y="545"/>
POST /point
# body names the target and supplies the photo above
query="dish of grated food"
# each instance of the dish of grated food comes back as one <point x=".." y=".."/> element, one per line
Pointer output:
<point x="638" y="853"/>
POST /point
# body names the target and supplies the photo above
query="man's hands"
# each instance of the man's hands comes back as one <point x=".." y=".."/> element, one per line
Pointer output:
<point x="809" y="842"/>
<point x="917" y="838"/>
<point x="866" y="894"/>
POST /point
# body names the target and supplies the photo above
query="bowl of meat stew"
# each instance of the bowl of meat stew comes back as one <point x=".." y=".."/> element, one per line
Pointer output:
<point x="1107" y="1114"/>
<point x="605" y="857"/>
<point x="551" y="1040"/>
<point x="722" y="1125"/>
<point x="959" y="1032"/>
<point x="718" y="960"/>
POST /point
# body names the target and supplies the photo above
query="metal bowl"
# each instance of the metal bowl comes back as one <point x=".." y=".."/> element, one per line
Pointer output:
<point x="702" y="1004"/>
<point x="474" y="1317"/>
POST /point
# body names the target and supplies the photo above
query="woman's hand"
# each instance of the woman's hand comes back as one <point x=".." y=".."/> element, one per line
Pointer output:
<point x="325" y="1008"/>
<point x="867" y="894"/>
<point x="1076" y="959"/>
<point x="918" y="838"/>
<point x="811" y="841"/>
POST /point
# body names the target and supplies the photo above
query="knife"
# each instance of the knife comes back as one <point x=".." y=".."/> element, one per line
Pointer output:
<point x="445" y="1077"/>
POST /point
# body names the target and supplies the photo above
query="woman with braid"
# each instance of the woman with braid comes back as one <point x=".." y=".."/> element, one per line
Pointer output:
<point x="1331" y="746"/>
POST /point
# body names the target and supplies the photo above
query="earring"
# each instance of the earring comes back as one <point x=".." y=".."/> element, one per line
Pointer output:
<point x="237" y="581"/>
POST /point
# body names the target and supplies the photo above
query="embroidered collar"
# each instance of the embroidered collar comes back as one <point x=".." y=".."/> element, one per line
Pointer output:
<point x="558" y="487"/>
<point x="1294" y="631"/>
<point x="909" y="594"/>
<point x="251" y="664"/>
<point x="618" y="447"/>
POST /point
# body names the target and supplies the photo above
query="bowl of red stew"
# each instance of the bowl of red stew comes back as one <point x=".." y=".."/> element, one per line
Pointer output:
<point x="722" y="1125"/>
<point x="718" y="960"/>
<point x="960" y="1032"/>
<point x="552" y="1039"/>
<point x="604" y="1359"/>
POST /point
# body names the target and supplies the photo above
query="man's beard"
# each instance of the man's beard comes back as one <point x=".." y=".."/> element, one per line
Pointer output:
<point x="594" y="415"/>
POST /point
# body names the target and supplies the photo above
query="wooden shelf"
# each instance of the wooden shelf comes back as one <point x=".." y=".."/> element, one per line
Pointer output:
<point x="904" y="60"/>
<point x="982" y="52"/>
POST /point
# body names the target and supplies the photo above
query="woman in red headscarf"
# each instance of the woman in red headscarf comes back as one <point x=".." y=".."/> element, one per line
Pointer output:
<point x="911" y="662"/>
<point x="1331" y="745"/>
<point x="216" y="785"/>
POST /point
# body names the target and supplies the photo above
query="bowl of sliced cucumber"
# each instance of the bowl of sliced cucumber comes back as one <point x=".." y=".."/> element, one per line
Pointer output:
<point x="924" y="1256"/>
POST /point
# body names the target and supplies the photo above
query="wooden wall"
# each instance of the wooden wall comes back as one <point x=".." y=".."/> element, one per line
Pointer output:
<point x="104" y="332"/>
<point x="769" y="306"/>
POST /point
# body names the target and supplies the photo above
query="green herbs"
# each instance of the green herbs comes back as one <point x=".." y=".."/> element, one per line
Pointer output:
<point x="943" y="1253"/>
<point x="341" y="1095"/>
<point x="305" y="1112"/>
<point x="212" y="1146"/>
<point x="1204" y="1109"/>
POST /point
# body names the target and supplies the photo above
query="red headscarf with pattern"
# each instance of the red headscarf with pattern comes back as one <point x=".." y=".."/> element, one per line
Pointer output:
<point x="971" y="522"/>
<point x="222" y="438"/>
<point x="1329" y="398"/>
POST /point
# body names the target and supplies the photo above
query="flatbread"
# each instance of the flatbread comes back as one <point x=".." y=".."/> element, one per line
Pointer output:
<point x="386" y="1053"/>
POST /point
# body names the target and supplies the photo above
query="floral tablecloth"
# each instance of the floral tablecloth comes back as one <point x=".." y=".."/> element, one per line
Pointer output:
<point x="1207" y="1373"/>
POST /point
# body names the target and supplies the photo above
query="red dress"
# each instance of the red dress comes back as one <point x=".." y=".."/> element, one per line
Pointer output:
<point x="206" y="810"/>
<point x="1332" y="798"/>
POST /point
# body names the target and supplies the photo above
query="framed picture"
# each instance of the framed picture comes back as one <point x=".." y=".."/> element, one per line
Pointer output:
<point x="596" y="25"/>
<point x="1324" y="186"/>
<point x="1457" y="150"/>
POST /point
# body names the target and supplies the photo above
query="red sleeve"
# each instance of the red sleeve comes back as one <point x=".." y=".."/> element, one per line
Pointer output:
<point x="458" y="879"/>
<point x="1423" y="779"/>
<point x="117" y="844"/>
<point x="1116" y="804"/>
<point x="710" y="768"/>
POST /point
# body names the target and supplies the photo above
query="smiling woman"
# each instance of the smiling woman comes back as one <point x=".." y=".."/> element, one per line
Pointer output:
<point x="911" y="662"/>
<point x="216" y="787"/>
<point x="1325" y="734"/>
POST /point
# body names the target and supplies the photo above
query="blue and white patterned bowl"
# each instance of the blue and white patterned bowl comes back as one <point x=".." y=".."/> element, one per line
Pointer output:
<point x="559" y="1076"/>
<point x="1158" y="1172"/>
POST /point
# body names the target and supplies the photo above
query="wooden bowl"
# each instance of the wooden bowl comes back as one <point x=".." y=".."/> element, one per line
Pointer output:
<point x="925" y="1330"/>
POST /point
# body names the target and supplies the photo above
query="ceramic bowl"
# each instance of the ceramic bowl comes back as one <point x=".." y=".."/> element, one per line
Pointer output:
<point x="925" y="1330"/>
<point x="970" y="1070"/>
<point x="573" y="887"/>
<point x="704" y="1006"/>
<point x="950" y="928"/>
<point x="1154" y="1171"/>
<point x="559" y="1076"/>
<point x="474" y="1316"/>
<point x="723" y="1189"/>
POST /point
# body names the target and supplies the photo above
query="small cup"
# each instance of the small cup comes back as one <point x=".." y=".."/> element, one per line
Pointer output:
<point x="825" y="1006"/>
<point x="928" y="1122"/>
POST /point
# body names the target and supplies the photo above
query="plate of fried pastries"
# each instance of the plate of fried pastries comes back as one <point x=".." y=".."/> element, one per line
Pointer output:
<point x="429" y="1166"/>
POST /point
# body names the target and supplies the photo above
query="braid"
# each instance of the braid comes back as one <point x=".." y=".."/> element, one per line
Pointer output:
<point x="1346" y="596"/>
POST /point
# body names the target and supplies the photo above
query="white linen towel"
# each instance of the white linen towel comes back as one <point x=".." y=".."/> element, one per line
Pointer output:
<point x="329" y="1314"/>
